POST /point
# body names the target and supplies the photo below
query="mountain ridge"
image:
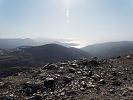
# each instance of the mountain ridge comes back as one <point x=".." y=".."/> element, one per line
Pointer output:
<point x="110" y="49"/>
<point x="56" y="52"/>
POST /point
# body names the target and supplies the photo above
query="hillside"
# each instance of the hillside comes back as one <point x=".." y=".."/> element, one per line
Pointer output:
<point x="27" y="58"/>
<point x="84" y="79"/>
<point x="9" y="44"/>
<point x="55" y="52"/>
<point x="110" y="49"/>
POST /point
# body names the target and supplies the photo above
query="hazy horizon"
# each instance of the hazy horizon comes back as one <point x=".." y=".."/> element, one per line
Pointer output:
<point x="83" y="21"/>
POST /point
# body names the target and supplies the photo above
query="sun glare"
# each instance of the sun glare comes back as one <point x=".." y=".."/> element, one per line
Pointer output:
<point x="67" y="4"/>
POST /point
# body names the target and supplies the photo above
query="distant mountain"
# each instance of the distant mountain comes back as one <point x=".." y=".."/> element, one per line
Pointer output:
<point x="110" y="49"/>
<point x="54" y="53"/>
<point x="63" y="42"/>
<point x="66" y="44"/>
<point x="28" y="57"/>
<point x="8" y="44"/>
<point x="37" y="55"/>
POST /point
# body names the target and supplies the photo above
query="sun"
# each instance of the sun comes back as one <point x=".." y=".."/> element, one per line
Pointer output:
<point x="67" y="5"/>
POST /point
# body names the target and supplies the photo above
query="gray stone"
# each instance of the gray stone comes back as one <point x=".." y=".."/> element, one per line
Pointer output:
<point x="5" y="98"/>
<point x="29" y="88"/>
<point x="125" y="93"/>
<point x="67" y="79"/>
<point x="49" y="84"/>
<point x="112" y="91"/>
<point x="35" y="97"/>
<point x="50" y="66"/>
<point x="72" y="70"/>
<point x="116" y="83"/>
<point x="102" y="81"/>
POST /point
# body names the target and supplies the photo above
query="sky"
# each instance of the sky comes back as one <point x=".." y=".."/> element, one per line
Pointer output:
<point x="83" y="21"/>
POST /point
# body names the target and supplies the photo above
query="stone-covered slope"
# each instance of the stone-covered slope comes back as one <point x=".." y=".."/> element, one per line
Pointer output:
<point x="84" y="79"/>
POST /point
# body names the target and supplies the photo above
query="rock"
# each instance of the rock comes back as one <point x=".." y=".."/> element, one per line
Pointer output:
<point x="118" y="57"/>
<point x="130" y="89"/>
<point x="2" y="85"/>
<point x="125" y="78"/>
<point x="112" y="91"/>
<point x="116" y="83"/>
<point x="102" y="81"/>
<point x="74" y="65"/>
<point x="45" y="66"/>
<point x="57" y="75"/>
<point x="114" y="74"/>
<point x="125" y="93"/>
<point x="42" y="75"/>
<point x="90" y="85"/>
<point x="72" y="70"/>
<point x="67" y="79"/>
<point x="98" y="89"/>
<point x="63" y="64"/>
<point x="96" y="77"/>
<point x="94" y="63"/>
<point x="76" y="80"/>
<point x="79" y="72"/>
<point x="5" y="98"/>
<point x="61" y="68"/>
<point x="83" y="83"/>
<point x="82" y="89"/>
<point x="85" y="68"/>
<point x="128" y="57"/>
<point x="62" y="93"/>
<point x="49" y="84"/>
<point x="83" y="78"/>
<point x="84" y="62"/>
<point x="35" y="97"/>
<point x="71" y="93"/>
<point x="114" y="69"/>
<point x="90" y="73"/>
<point x="29" y="88"/>
<point x="11" y="95"/>
<point x="50" y="66"/>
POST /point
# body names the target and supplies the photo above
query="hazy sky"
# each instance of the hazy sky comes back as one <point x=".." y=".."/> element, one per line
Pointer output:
<point x="84" y="21"/>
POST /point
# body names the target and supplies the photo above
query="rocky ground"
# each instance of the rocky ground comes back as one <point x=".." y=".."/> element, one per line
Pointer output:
<point x="84" y="79"/>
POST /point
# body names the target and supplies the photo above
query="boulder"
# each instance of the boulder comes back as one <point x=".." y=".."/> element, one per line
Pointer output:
<point x="112" y="91"/>
<point x="102" y="81"/>
<point x="5" y="98"/>
<point x="125" y="93"/>
<point x="49" y="84"/>
<point x="128" y="57"/>
<point x="35" y="97"/>
<point x="29" y="88"/>
<point x="67" y="79"/>
<point x="116" y="83"/>
<point x="50" y="66"/>
<point x="130" y="89"/>
<point x="94" y="63"/>
<point x="72" y="70"/>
